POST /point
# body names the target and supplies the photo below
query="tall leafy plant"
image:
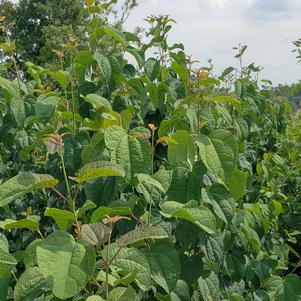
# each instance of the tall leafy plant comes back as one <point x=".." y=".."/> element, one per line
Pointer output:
<point x="145" y="178"/>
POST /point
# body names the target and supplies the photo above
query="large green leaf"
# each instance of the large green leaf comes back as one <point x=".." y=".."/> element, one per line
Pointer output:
<point x="45" y="107"/>
<point x="252" y="237"/>
<point x="186" y="184"/>
<point x="94" y="150"/>
<point x="101" y="212"/>
<point x="98" y="101"/>
<point x="208" y="285"/>
<point x="136" y="235"/>
<point x="149" y="187"/>
<point x="139" y="88"/>
<point x="284" y="289"/>
<point x="95" y="234"/>
<point x="115" y="34"/>
<point x="62" y="77"/>
<point x="97" y="169"/>
<point x="214" y="248"/>
<point x="237" y="183"/>
<point x="130" y="259"/>
<point x="63" y="218"/>
<point x="104" y="65"/>
<point x="112" y="136"/>
<point x="147" y="179"/>
<point x="102" y="191"/>
<point x="191" y="268"/>
<point x="15" y="101"/>
<point x="236" y="265"/>
<point x="134" y="155"/>
<point x="30" y="285"/>
<point x="30" y="223"/>
<point x="201" y="217"/>
<point x="61" y="258"/>
<point x="221" y="201"/>
<point x="184" y="150"/>
<point x="22" y="184"/>
<point x="82" y="60"/>
<point x="122" y="293"/>
<point x="165" y="265"/>
<point x="4" y="243"/>
<point x="219" y="153"/>
<point x="181" y="70"/>
<point x="5" y="276"/>
<point x="181" y="292"/>
<point x="228" y="142"/>
<point x="6" y="258"/>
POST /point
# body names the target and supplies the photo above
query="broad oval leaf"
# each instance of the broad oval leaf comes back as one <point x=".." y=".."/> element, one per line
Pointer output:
<point x="218" y="153"/>
<point x="208" y="285"/>
<point x="30" y="285"/>
<point x="5" y="279"/>
<point x="95" y="234"/>
<point x="237" y="183"/>
<point x="63" y="218"/>
<point x="284" y="289"/>
<point x="131" y="259"/>
<point x="136" y="235"/>
<point x="115" y="34"/>
<point x="122" y="293"/>
<point x="221" y="201"/>
<point x="165" y="265"/>
<point x="181" y="70"/>
<point x="104" y="65"/>
<point x="183" y="150"/>
<point x="22" y="184"/>
<point x="166" y="139"/>
<point x="134" y="155"/>
<point x="98" y="101"/>
<point x="61" y="258"/>
<point x="101" y="212"/>
<point x="214" y="248"/>
<point x="201" y="217"/>
<point x="25" y="223"/>
<point x="6" y="258"/>
<point x="112" y="136"/>
<point x="147" y="179"/>
<point x="97" y="169"/>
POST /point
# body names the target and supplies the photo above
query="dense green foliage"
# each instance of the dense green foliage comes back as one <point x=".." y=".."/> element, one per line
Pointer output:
<point x="41" y="26"/>
<point x="38" y="28"/>
<point x="130" y="177"/>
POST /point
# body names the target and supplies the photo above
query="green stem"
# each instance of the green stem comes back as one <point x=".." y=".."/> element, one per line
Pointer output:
<point x="152" y="172"/>
<point x="153" y="152"/>
<point x="72" y="95"/>
<point x="108" y="264"/>
<point x="65" y="175"/>
<point x="150" y="207"/>
<point x="71" y="201"/>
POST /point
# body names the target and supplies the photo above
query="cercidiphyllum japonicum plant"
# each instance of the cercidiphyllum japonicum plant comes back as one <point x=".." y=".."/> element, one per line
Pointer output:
<point x="151" y="180"/>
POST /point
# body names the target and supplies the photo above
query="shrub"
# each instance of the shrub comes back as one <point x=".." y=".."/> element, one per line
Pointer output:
<point x="144" y="179"/>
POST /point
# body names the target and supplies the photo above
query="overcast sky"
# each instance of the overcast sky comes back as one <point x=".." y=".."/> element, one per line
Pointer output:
<point x="210" y="28"/>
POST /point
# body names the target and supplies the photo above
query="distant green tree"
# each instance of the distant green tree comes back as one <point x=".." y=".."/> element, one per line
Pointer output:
<point x="41" y="26"/>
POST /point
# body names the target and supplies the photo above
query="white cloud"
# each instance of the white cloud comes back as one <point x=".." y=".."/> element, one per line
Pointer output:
<point x="210" y="28"/>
